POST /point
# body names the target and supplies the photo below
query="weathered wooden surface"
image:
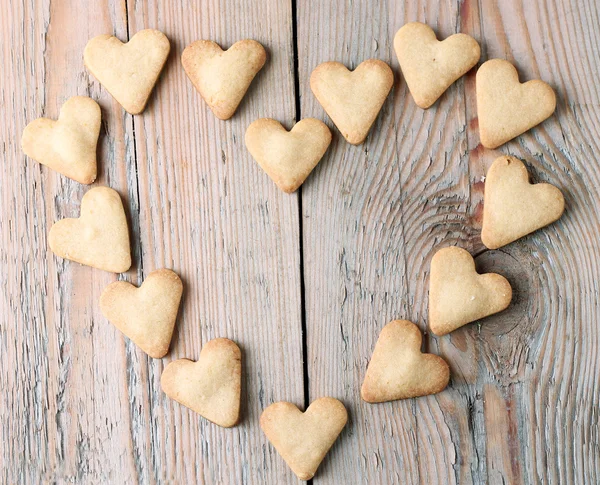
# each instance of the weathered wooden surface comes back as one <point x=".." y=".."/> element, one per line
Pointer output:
<point x="523" y="402"/>
<point x="79" y="403"/>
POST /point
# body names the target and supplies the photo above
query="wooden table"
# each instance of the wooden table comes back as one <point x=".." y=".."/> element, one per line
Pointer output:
<point x="302" y="282"/>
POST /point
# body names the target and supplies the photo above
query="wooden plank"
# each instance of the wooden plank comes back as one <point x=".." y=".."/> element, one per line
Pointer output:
<point x="208" y="211"/>
<point x="82" y="404"/>
<point x="372" y="216"/>
<point x="63" y="378"/>
<point x="375" y="214"/>
<point x="537" y="381"/>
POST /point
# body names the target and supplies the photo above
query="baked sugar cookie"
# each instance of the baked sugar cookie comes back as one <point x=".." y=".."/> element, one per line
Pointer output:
<point x="67" y="145"/>
<point x="212" y="386"/>
<point x="398" y="369"/>
<point x="128" y="71"/>
<point x="146" y="315"/>
<point x="352" y="99"/>
<point x="459" y="295"/>
<point x="303" y="439"/>
<point x="288" y="157"/>
<point x="431" y="66"/>
<point x="513" y="207"/>
<point x="505" y="107"/>
<point x="223" y="77"/>
<point x="99" y="237"/>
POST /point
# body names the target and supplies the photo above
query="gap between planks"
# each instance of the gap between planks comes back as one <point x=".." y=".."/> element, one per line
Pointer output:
<point x="298" y="117"/>
<point x="140" y="268"/>
<point x="300" y="219"/>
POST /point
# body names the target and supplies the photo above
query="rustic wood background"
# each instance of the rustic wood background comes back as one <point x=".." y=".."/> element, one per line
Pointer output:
<point x="302" y="282"/>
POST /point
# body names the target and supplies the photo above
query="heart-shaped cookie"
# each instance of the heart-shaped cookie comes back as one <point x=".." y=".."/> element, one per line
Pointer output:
<point x="146" y="315"/>
<point x="100" y="237"/>
<point x="431" y="66"/>
<point x="288" y="157"/>
<point x="223" y="77"/>
<point x="505" y="107"/>
<point x="352" y="99"/>
<point x="398" y="369"/>
<point x="303" y="439"/>
<point x="459" y="295"/>
<point x="212" y="386"/>
<point x="512" y="206"/>
<point x="67" y="145"/>
<point x="128" y="71"/>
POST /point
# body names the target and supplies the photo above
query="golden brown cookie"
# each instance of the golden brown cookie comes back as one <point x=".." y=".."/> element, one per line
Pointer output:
<point x="352" y="99"/>
<point x="223" y="77"/>
<point x="459" y="295"/>
<point x="512" y="206"/>
<point x="67" y="145"/>
<point x="431" y="66"/>
<point x="212" y="386"/>
<point x="505" y="107"/>
<point x="303" y="439"/>
<point x="288" y="157"/>
<point x="398" y="369"/>
<point x="146" y="315"/>
<point x="100" y="237"/>
<point x="128" y="71"/>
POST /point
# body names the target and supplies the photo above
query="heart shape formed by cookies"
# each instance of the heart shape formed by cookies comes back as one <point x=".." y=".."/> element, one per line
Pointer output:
<point x="431" y="66"/>
<point x="100" y="237"/>
<point x="212" y="385"/>
<point x="459" y="295"/>
<point x="352" y="99"/>
<point x="128" y="71"/>
<point x="513" y="207"/>
<point x="398" y="369"/>
<point x="505" y="107"/>
<point x="67" y="145"/>
<point x="303" y="439"/>
<point x="146" y="315"/>
<point x="223" y="77"/>
<point x="288" y="157"/>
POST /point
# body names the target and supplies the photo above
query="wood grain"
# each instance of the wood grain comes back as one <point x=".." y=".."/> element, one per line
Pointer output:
<point x="374" y="215"/>
<point x="547" y="380"/>
<point x="198" y="204"/>
<point x="80" y="403"/>
<point x="63" y="377"/>
<point x="208" y="211"/>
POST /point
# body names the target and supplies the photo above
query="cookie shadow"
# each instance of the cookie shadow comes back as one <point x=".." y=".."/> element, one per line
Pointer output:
<point x="333" y="455"/>
<point x="258" y="80"/>
<point x="164" y="78"/>
<point x="174" y="345"/>
<point x="313" y="178"/>
<point x="133" y="231"/>
<point x="243" y="387"/>
<point x="101" y="146"/>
